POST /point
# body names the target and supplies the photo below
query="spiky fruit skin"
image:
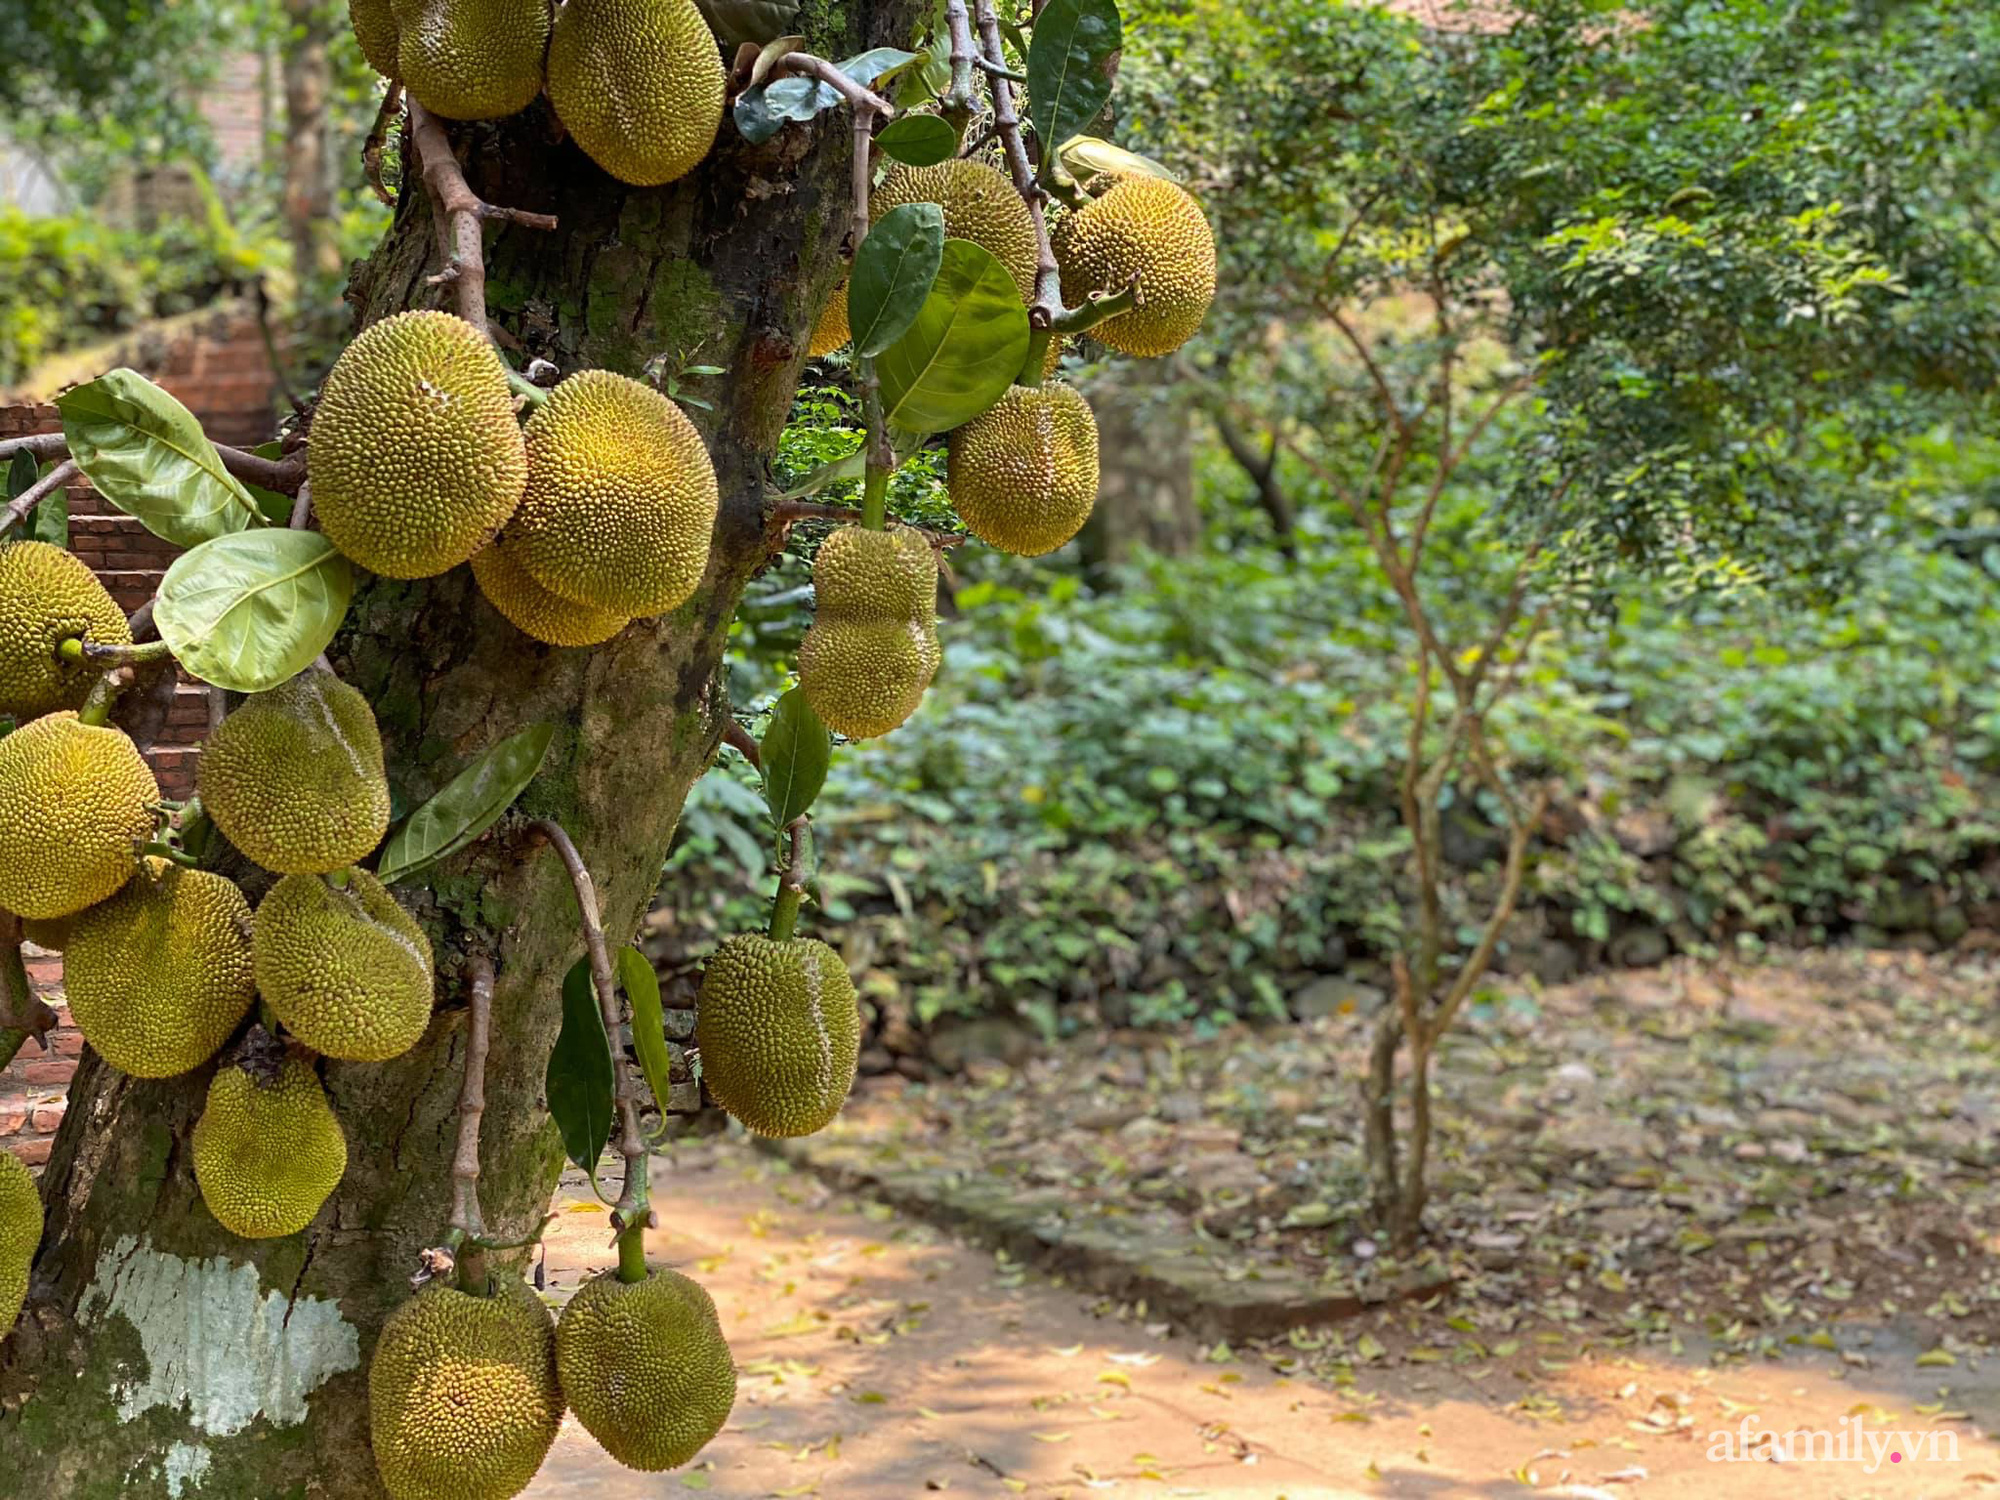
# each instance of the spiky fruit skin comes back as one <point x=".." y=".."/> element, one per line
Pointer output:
<point x="73" y="811"/>
<point x="779" y="1027"/>
<point x="645" y="1367"/>
<point x="639" y="83"/>
<point x="873" y="647"/>
<point x="20" y="1233"/>
<point x="463" y="1401"/>
<point x="979" y="205"/>
<point x="267" y="1155"/>
<point x="294" y="778"/>
<point x="47" y="597"/>
<point x="374" y="23"/>
<point x="1151" y="227"/>
<point x="532" y="609"/>
<point x="416" y="460"/>
<point x="1023" y="473"/>
<point x="472" y="59"/>
<point x="831" y="331"/>
<point x="346" y="969"/>
<point x="160" y="975"/>
<point x="621" y="498"/>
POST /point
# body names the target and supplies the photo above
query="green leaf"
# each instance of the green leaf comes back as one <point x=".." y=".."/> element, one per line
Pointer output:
<point x="768" y="55"/>
<point x="147" y="455"/>
<point x="649" y="1022"/>
<point x="919" y="140"/>
<point x="469" y="804"/>
<point x="1071" y="64"/>
<point x="964" y="349"/>
<point x="853" y="466"/>
<point x="50" y="520"/>
<point x="251" y="610"/>
<point x="763" y="111"/>
<point x="877" y="65"/>
<point x="1084" y="156"/>
<point x="579" y="1082"/>
<point x="893" y="273"/>
<point x="796" y="751"/>
<point x="274" y="506"/>
<point x="738" y="21"/>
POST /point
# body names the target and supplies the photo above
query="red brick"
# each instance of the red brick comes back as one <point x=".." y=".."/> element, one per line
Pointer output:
<point x="46" y="1117"/>
<point x="66" y="1041"/>
<point x="32" y="1152"/>
<point x="50" y="1071"/>
<point x="13" y="1115"/>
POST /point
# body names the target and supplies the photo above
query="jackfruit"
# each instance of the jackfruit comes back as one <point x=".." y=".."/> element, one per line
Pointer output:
<point x="639" y="83"/>
<point x="294" y="777"/>
<point x="873" y="647"/>
<point x="532" y="609"/>
<point x="267" y="1155"/>
<point x="345" y="968"/>
<point x="1023" y="473"/>
<point x="75" y="804"/>
<point x="831" y="331"/>
<point x="160" y="975"/>
<point x="20" y="1233"/>
<point x="472" y="59"/>
<point x="779" y="1028"/>
<point x="979" y="204"/>
<point x="463" y="1402"/>
<point x="1147" y="226"/>
<point x="47" y="597"/>
<point x="645" y="1368"/>
<point x="621" y="498"/>
<point x="415" y="458"/>
<point x="374" y="23"/>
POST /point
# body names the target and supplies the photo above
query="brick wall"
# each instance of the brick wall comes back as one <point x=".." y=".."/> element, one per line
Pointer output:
<point x="219" y="371"/>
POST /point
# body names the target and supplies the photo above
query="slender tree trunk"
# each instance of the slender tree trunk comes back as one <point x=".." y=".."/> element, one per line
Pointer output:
<point x="159" y="1356"/>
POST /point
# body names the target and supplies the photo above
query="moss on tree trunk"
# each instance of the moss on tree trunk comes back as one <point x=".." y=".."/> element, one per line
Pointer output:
<point x="159" y="1355"/>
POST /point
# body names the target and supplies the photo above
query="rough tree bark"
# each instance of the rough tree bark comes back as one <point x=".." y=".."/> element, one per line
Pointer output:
<point x="159" y="1356"/>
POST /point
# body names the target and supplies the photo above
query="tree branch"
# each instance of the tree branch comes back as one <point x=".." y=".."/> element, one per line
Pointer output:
<point x="959" y="97"/>
<point x="738" y="738"/>
<point x="283" y="474"/>
<point x="860" y="98"/>
<point x="785" y="512"/>
<point x="1047" y="306"/>
<point x="468" y="1224"/>
<point x="21" y="1014"/>
<point x="460" y="215"/>
<point x="44" y="445"/>
<point x="23" y="504"/>
<point x="378" y="138"/>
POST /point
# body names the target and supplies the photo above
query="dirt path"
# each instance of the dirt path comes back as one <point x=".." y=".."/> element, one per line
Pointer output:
<point x="880" y="1359"/>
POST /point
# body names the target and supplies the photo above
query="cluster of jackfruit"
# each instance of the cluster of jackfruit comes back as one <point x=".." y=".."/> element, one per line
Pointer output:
<point x="267" y="1151"/>
<point x="872" y="648"/>
<point x="638" y="83"/>
<point x="779" y="1028"/>
<point x="1023" y="474"/>
<point x="1152" y="229"/>
<point x="47" y="597"/>
<point x="20" y="1233"/>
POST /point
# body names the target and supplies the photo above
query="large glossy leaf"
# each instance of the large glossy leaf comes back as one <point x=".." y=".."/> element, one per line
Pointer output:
<point x="765" y="110"/>
<point x="893" y="273"/>
<point x="579" y="1081"/>
<point x="147" y="455"/>
<point x="964" y="349"/>
<point x="796" y="751"/>
<point x="249" y="611"/>
<point x="1071" y="64"/>
<point x="468" y="805"/>
<point x="919" y="140"/>
<point x="1084" y="156"/>
<point x="740" y="21"/>
<point x="649" y="1023"/>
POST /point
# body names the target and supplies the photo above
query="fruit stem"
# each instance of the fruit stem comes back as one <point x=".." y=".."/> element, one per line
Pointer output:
<point x="632" y="1253"/>
<point x="339" y="879"/>
<point x="785" y="912"/>
<point x="1038" y="357"/>
<point x="77" y="649"/>
<point x="96" y="710"/>
<point x="875" y="498"/>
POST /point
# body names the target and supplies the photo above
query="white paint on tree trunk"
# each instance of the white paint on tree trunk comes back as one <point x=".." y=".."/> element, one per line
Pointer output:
<point x="185" y="1465"/>
<point x="218" y="1346"/>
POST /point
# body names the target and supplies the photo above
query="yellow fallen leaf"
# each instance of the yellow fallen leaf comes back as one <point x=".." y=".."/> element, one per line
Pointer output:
<point x="1115" y="1377"/>
<point x="1934" y="1358"/>
<point x="1051" y="1437"/>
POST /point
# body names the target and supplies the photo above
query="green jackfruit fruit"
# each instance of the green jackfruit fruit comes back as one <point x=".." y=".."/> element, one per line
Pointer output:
<point x="267" y="1155"/>
<point x="831" y="331"/>
<point x="345" y="968"/>
<point x="639" y="83"/>
<point x="1023" y="473"/>
<point x="471" y="59"/>
<point x="532" y="609"/>
<point x="463" y="1401"/>
<point x="779" y="1028"/>
<point x="1149" y="227"/>
<point x="294" y="777"/>
<point x="621" y="497"/>
<point x="979" y="204"/>
<point x="416" y="460"/>
<point x="160" y="975"/>
<point x="374" y="23"/>
<point x="20" y="1233"/>
<point x="74" y="808"/>
<point x="645" y="1368"/>
<point x="47" y="596"/>
<point x="873" y="647"/>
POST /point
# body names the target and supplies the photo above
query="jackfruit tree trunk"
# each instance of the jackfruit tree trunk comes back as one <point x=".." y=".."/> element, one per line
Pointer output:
<point x="160" y="1356"/>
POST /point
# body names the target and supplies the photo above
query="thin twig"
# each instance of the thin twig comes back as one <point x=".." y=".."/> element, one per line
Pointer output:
<point x="860" y="98"/>
<point x="23" y="504"/>
<point x="378" y="139"/>
<point x="785" y="512"/>
<point x="468" y="1224"/>
<point x="43" y="445"/>
<point x="460" y="213"/>
<point x="1047" y="305"/>
<point x="738" y="738"/>
<point x="302" y="508"/>
<point x="959" y="96"/>
<point x="283" y="474"/>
